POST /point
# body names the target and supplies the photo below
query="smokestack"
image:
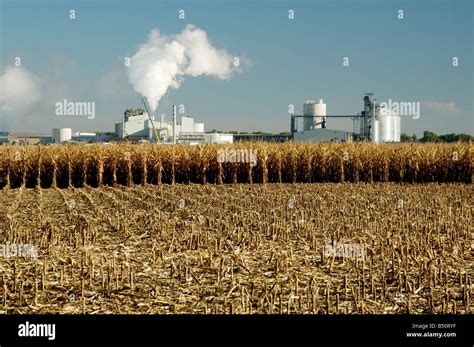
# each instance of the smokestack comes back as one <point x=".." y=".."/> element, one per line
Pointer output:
<point x="174" y="124"/>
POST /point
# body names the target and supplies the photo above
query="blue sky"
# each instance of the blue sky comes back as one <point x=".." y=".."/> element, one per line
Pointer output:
<point x="291" y="61"/>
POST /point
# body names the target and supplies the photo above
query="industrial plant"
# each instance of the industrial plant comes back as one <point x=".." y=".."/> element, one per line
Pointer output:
<point x="374" y="124"/>
<point x="140" y="124"/>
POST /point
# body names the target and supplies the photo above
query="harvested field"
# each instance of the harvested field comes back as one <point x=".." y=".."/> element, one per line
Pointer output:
<point x="250" y="248"/>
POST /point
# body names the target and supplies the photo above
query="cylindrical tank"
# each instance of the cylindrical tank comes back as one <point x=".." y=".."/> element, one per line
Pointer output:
<point x="375" y="131"/>
<point x="316" y="112"/>
<point x="198" y="127"/>
<point x="392" y="134"/>
<point x="308" y="110"/>
<point x="385" y="127"/>
<point x="396" y="128"/>
<point x="320" y="113"/>
<point x="389" y="126"/>
<point x="61" y="135"/>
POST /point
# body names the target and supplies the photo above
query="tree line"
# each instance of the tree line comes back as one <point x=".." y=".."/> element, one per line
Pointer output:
<point x="429" y="136"/>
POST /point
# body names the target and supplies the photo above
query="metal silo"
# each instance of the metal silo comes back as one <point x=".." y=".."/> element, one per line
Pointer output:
<point x="315" y="112"/>
<point x="309" y="111"/>
<point x="389" y="126"/>
<point x="396" y="128"/>
<point x="385" y="126"/>
<point x="320" y="113"/>
<point x="392" y="123"/>
<point x="61" y="135"/>
<point x="375" y="131"/>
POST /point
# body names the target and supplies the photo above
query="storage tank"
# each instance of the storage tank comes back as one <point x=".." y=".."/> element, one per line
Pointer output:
<point x="61" y="135"/>
<point x="389" y="126"/>
<point x="320" y="113"/>
<point x="385" y="127"/>
<point x="316" y="111"/>
<point x="375" y="131"/>
<point x="396" y="128"/>
<point x="308" y="110"/>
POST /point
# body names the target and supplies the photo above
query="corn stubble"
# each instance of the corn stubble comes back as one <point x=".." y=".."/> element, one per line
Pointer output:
<point x="118" y="232"/>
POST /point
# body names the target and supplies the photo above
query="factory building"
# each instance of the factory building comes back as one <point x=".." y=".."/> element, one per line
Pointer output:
<point x="25" y="138"/>
<point x="188" y="131"/>
<point x="135" y="126"/>
<point x="85" y="137"/>
<point x="142" y="126"/>
<point x="65" y="135"/>
<point x="219" y="138"/>
<point x="322" y="135"/>
<point x="197" y="138"/>
<point x="3" y="137"/>
<point x="58" y="136"/>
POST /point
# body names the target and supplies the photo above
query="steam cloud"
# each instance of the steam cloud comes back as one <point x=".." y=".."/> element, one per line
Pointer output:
<point x="19" y="91"/>
<point x="163" y="61"/>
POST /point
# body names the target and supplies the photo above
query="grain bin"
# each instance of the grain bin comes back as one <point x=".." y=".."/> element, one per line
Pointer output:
<point x="308" y="112"/>
<point x="61" y="135"/>
<point x="375" y="131"/>
<point x="389" y="126"/>
<point x="396" y="128"/>
<point x="314" y="112"/>
<point x="320" y="113"/>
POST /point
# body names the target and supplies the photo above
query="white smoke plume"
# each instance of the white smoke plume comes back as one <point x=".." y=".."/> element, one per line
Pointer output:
<point x="19" y="91"/>
<point x="163" y="61"/>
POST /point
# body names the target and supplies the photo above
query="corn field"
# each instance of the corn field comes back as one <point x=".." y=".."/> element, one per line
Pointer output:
<point x="95" y="165"/>
<point x="170" y="229"/>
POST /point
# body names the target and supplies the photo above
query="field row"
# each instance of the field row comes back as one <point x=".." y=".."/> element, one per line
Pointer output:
<point x="281" y="248"/>
<point x="95" y="165"/>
